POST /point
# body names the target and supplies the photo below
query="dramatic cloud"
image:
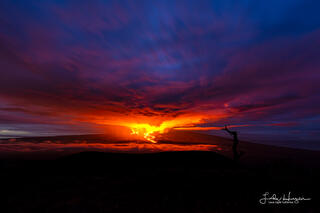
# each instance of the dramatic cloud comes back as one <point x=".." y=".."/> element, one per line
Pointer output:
<point x="72" y="66"/>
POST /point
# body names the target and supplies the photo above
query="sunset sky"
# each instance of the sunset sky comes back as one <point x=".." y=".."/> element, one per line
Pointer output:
<point x="75" y="67"/>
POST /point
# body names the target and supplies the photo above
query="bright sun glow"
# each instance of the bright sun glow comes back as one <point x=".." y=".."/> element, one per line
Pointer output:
<point x="153" y="127"/>
<point x="147" y="131"/>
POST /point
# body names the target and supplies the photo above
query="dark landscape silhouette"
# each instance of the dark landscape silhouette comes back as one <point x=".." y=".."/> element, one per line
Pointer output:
<point x="185" y="181"/>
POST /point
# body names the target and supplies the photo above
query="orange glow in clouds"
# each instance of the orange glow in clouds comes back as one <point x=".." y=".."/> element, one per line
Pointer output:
<point x="149" y="132"/>
<point x="152" y="126"/>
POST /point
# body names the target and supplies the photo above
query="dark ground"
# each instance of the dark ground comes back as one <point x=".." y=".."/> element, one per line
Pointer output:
<point x="158" y="182"/>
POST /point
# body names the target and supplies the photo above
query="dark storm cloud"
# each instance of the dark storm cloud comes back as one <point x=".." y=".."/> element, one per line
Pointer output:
<point x="67" y="60"/>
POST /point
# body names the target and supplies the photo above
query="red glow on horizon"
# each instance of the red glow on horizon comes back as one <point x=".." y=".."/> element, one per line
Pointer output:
<point x="153" y="126"/>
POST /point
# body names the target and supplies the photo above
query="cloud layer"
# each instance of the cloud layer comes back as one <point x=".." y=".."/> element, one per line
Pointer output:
<point x="78" y="64"/>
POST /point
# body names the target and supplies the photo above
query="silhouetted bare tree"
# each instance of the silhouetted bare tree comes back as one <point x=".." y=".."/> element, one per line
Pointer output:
<point x="236" y="155"/>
